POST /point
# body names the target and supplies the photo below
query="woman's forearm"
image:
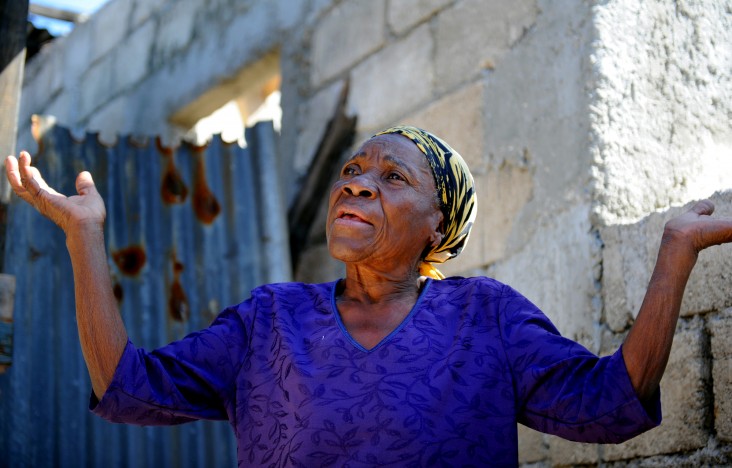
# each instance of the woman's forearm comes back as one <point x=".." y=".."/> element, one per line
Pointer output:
<point x="648" y="345"/>
<point x="101" y="330"/>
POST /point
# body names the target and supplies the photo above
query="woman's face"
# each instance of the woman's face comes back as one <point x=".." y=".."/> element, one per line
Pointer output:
<point x="384" y="207"/>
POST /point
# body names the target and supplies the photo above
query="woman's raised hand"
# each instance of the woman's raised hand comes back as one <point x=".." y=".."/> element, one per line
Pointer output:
<point x="101" y="331"/>
<point x="82" y="211"/>
<point x="695" y="230"/>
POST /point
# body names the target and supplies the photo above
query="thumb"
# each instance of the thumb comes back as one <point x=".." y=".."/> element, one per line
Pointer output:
<point x="703" y="207"/>
<point x="85" y="183"/>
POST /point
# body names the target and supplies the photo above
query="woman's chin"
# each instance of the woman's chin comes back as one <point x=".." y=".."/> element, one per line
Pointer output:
<point x="351" y="250"/>
<point x="346" y="254"/>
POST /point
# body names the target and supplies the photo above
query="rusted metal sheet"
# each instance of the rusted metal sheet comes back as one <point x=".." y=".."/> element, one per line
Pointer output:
<point x="184" y="238"/>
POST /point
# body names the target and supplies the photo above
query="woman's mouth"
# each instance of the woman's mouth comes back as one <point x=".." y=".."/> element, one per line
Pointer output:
<point x="348" y="217"/>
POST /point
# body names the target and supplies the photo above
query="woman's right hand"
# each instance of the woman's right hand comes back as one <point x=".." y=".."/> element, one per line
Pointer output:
<point x="83" y="211"/>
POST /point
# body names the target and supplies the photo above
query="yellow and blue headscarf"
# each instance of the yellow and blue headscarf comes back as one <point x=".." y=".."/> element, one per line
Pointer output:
<point x="455" y="189"/>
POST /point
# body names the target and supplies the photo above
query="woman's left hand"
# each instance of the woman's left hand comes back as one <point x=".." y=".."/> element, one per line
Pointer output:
<point x="696" y="230"/>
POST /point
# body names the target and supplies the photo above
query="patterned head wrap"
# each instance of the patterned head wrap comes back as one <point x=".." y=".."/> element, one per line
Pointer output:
<point x="455" y="189"/>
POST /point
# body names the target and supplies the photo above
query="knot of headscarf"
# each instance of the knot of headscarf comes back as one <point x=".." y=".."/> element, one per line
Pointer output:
<point x="455" y="189"/>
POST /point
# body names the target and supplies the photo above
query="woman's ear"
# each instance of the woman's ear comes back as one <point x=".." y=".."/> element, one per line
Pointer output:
<point x="437" y="235"/>
<point x="436" y="238"/>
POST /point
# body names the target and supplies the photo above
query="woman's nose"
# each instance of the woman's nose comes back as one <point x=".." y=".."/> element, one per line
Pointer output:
<point x="360" y="187"/>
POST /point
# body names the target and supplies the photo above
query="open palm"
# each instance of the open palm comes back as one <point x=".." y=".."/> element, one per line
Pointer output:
<point x="77" y="211"/>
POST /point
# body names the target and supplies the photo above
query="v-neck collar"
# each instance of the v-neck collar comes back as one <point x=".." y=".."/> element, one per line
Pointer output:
<point x="387" y="338"/>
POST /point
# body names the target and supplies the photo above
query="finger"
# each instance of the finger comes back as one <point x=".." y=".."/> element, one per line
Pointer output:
<point x="704" y="207"/>
<point x="85" y="183"/>
<point x="718" y="231"/>
<point x="31" y="177"/>
<point x="24" y="159"/>
<point x="28" y="175"/>
<point x="12" y="172"/>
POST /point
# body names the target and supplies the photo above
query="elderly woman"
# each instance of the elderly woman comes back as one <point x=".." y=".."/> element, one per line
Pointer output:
<point x="393" y="364"/>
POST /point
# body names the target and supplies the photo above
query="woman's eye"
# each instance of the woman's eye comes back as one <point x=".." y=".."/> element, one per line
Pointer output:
<point x="394" y="176"/>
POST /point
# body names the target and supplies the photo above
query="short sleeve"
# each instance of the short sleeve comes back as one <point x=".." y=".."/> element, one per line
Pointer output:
<point x="564" y="389"/>
<point x="189" y="379"/>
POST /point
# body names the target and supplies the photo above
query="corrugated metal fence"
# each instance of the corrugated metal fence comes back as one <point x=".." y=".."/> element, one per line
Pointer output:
<point x="189" y="231"/>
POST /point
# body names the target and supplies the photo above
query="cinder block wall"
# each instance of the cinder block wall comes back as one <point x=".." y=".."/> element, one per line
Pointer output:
<point x="587" y="124"/>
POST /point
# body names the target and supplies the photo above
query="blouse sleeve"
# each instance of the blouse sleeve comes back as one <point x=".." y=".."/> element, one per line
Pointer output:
<point x="564" y="389"/>
<point x="186" y="380"/>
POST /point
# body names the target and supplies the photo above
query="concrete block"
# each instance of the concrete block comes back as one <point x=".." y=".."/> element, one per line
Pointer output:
<point x="109" y="120"/>
<point x="143" y="119"/>
<point x="109" y="26"/>
<point x="392" y="82"/>
<point x="63" y="109"/>
<point x="132" y="59"/>
<point x="77" y="53"/>
<point x="684" y="400"/>
<point x="486" y="28"/>
<point x="629" y="256"/>
<point x="402" y="15"/>
<point x="175" y="28"/>
<point x="144" y="9"/>
<point x="457" y="118"/>
<point x="246" y="36"/>
<point x="531" y="445"/>
<point x="289" y="13"/>
<point x="316" y="9"/>
<point x="99" y="81"/>
<point x="723" y="398"/>
<point x="46" y="81"/>
<point x="720" y="329"/>
<point x="312" y="123"/>
<point x="566" y="453"/>
<point x="49" y="74"/>
<point x="346" y="34"/>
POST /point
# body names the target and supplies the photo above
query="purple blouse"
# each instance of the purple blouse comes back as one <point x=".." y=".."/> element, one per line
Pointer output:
<point x="448" y="386"/>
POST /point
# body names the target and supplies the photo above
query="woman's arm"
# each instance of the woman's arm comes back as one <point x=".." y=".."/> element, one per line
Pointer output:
<point x="648" y="344"/>
<point x="101" y="331"/>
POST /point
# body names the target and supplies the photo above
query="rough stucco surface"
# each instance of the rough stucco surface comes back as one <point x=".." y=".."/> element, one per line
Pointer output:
<point x="585" y="122"/>
<point x="663" y="102"/>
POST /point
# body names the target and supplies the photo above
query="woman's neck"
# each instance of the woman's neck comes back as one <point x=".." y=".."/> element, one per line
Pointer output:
<point x="371" y="306"/>
<point x="369" y="287"/>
